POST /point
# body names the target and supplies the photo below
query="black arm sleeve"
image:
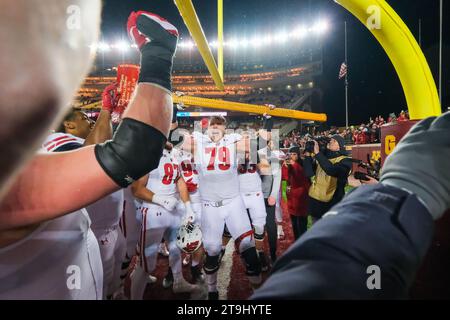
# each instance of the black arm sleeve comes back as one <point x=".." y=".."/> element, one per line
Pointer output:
<point x="337" y="170"/>
<point x="308" y="167"/>
<point x="134" y="151"/>
<point x="374" y="228"/>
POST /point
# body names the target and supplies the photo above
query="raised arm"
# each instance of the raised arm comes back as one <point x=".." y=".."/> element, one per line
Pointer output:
<point x="56" y="184"/>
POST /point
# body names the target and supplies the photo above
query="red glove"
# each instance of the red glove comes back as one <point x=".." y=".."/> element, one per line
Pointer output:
<point x="110" y="98"/>
<point x="191" y="186"/>
<point x="138" y="38"/>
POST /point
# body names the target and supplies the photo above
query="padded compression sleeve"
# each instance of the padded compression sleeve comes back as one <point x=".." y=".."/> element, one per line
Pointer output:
<point x="134" y="151"/>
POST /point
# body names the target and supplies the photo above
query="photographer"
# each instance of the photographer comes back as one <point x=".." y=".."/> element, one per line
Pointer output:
<point x="328" y="167"/>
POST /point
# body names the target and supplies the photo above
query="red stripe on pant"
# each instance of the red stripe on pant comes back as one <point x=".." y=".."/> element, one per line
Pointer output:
<point x="141" y="240"/>
<point x="123" y="220"/>
<point x="143" y="243"/>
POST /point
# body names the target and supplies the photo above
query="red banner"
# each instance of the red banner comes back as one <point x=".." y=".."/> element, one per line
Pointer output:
<point x="391" y="134"/>
<point x="127" y="78"/>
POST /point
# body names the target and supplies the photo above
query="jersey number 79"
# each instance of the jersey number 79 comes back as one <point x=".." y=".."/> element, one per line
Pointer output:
<point x="223" y="153"/>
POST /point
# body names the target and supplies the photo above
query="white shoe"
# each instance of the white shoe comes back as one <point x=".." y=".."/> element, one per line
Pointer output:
<point x="182" y="286"/>
<point x="167" y="283"/>
<point x="151" y="279"/>
<point x="163" y="250"/>
<point x="186" y="260"/>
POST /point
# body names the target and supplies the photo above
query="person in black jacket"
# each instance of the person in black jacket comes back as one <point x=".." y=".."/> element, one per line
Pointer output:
<point x="328" y="170"/>
<point x="371" y="244"/>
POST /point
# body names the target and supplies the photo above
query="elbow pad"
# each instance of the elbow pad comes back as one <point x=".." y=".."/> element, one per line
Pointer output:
<point x="134" y="151"/>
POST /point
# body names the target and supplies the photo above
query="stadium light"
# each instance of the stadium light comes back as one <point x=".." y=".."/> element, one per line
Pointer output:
<point x="122" y="46"/>
<point x="233" y="43"/>
<point x="299" y="33"/>
<point x="243" y="43"/>
<point x="189" y="44"/>
<point x="320" y="27"/>
<point x="256" y="42"/>
<point x="282" y="37"/>
<point x="267" y="40"/>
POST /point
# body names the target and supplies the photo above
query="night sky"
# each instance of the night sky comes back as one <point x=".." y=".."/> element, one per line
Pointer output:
<point x="374" y="86"/>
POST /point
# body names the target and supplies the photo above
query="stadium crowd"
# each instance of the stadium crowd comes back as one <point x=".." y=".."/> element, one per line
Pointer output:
<point x="366" y="133"/>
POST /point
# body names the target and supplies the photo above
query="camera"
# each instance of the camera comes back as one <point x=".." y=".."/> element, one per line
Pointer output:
<point x="372" y="167"/>
<point x="321" y="140"/>
<point x="361" y="176"/>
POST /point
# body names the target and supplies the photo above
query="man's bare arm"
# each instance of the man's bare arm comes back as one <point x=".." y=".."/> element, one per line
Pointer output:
<point x="52" y="185"/>
<point x="140" y="191"/>
<point x="183" y="190"/>
<point x="56" y="184"/>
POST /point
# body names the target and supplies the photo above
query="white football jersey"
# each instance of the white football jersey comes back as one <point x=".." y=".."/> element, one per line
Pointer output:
<point x="60" y="260"/>
<point x="189" y="174"/>
<point x="217" y="166"/>
<point x="163" y="180"/>
<point x="249" y="179"/>
<point x="106" y="212"/>
<point x="58" y="140"/>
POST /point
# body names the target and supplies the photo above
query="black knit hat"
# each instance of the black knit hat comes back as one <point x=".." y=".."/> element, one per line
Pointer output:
<point x="340" y="141"/>
<point x="294" y="149"/>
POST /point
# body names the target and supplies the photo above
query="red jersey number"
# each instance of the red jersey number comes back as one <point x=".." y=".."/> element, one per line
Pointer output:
<point x="187" y="169"/>
<point x="170" y="174"/>
<point x="250" y="169"/>
<point x="223" y="154"/>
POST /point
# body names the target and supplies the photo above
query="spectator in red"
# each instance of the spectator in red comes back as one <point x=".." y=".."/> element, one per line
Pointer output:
<point x="297" y="191"/>
<point x="360" y="137"/>
<point x="374" y="134"/>
<point x="355" y="136"/>
<point x="392" y="118"/>
<point x="402" y="116"/>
